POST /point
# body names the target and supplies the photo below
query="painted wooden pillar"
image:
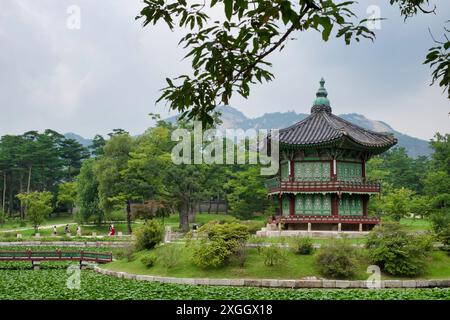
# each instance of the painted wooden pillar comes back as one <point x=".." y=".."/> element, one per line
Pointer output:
<point x="292" y="204"/>
<point x="333" y="170"/>
<point x="291" y="170"/>
<point x="280" y="205"/>
<point x="363" y="169"/>
<point x="334" y="205"/>
<point x="365" y="200"/>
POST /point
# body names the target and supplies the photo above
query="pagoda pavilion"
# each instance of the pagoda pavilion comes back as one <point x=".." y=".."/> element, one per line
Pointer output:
<point x="321" y="183"/>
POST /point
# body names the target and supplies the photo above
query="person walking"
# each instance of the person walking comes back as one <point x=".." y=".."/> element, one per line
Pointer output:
<point x="113" y="230"/>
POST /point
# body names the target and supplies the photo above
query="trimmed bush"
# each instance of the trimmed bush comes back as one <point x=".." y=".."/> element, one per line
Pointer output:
<point x="148" y="260"/>
<point x="337" y="260"/>
<point x="273" y="256"/>
<point x="397" y="252"/>
<point x="149" y="235"/>
<point x="303" y="245"/>
<point x="211" y="254"/>
<point x="226" y="231"/>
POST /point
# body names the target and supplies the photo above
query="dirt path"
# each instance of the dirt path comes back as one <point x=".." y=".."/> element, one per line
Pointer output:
<point x="40" y="228"/>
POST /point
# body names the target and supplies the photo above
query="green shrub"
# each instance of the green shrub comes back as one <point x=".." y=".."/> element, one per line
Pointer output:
<point x="303" y="245"/>
<point x="397" y="252"/>
<point x="337" y="260"/>
<point x="170" y="255"/>
<point x="253" y="225"/>
<point x="22" y="223"/>
<point x="440" y="223"/>
<point x="149" y="235"/>
<point x="273" y="256"/>
<point x="126" y="253"/>
<point x="227" y="231"/>
<point x="148" y="260"/>
<point x="2" y="217"/>
<point x="210" y="253"/>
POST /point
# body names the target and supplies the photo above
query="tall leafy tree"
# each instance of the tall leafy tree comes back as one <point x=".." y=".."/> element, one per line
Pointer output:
<point x="72" y="154"/>
<point x="87" y="200"/>
<point x="38" y="206"/>
<point x="67" y="195"/>
<point x="97" y="145"/>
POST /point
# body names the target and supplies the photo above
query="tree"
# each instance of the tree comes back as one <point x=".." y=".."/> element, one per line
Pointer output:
<point x="108" y="172"/>
<point x="97" y="145"/>
<point x="72" y="155"/>
<point x="247" y="193"/>
<point x="438" y="57"/>
<point x="87" y="193"/>
<point x="67" y="195"/>
<point x="420" y="205"/>
<point x="396" y="203"/>
<point x="38" y="206"/>
<point x="230" y="52"/>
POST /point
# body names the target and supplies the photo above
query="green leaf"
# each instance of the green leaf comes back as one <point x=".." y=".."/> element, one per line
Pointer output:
<point x="228" y="8"/>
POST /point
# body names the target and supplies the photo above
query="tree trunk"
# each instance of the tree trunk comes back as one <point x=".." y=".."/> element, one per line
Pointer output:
<point x="10" y="201"/>
<point x="29" y="179"/>
<point x="210" y="205"/>
<point x="184" y="216"/>
<point x="129" y="217"/>
<point x="22" y="208"/>
<point x="217" y="203"/>
<point x="4" y="191"/>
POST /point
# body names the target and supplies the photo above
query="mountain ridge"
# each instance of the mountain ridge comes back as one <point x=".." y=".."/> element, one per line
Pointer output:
<point x="233" y="119"/>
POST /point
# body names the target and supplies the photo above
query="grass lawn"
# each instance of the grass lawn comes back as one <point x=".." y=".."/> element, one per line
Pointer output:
<point x="202" y="218"/>
<point x="296" y="266"/>
<point x="16" y="223"/>
<point x="416" y="224"/>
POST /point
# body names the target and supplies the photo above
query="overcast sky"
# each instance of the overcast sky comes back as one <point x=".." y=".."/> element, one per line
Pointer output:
<point x="108" y="73"/>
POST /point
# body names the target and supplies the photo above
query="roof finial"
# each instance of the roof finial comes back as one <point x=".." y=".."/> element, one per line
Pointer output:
<point x="321" y="103"/>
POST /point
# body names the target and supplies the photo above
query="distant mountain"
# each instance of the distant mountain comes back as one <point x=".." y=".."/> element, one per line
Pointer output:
<point x="83" y="141"/>
<point x="232" y="119"/>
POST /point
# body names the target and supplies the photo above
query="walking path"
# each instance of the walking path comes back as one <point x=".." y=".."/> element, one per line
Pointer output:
<point x="40" y="228"/>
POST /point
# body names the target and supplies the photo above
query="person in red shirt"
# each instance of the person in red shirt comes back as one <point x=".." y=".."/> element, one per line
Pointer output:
<point x="113" y="230"/>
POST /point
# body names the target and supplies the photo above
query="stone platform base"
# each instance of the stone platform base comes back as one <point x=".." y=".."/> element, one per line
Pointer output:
<point x="312" y="234"/>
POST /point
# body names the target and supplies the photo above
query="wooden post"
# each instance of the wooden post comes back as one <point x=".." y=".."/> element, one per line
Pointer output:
<point x="334" y="205"/>
<point x="292" y="204"/>
<point x="309" y="226"/>
<point x="360" y="227"/>
<point x="291" y="171"/>
<point x="339" y="226"/>
<point x="363" y="170"/>
<point x="333" y="173"/>
<point x="280" y="204"/>
<point x="365" y="199"/>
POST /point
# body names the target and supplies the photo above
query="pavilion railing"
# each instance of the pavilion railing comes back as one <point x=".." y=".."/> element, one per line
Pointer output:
<point x="274" y="185"/>
<point x="327" y="219"/>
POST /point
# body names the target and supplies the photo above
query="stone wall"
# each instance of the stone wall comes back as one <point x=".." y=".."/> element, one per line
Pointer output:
<point x="277" y="283"/>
